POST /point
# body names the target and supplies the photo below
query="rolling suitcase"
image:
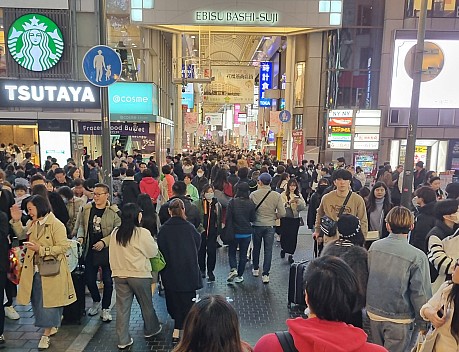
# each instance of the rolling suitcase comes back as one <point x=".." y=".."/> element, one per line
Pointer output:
<point x="295" y="284"/>
<point x="75" y="311"/>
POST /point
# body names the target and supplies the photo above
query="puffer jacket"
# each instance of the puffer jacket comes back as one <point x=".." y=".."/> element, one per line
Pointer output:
<point x="150" y="186"/>
<point x="240" y="214"/>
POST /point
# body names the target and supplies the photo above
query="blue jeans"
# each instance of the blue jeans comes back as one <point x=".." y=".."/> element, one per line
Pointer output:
<point x="243" y="247"/>
<point x="91" y="282"/>
<point x="265" y="233"/>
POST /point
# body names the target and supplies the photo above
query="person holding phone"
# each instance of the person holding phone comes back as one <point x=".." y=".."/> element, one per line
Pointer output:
<point x="440" y="311"/>
<point x="289" y="225"/>
<point x="46" y="236"/>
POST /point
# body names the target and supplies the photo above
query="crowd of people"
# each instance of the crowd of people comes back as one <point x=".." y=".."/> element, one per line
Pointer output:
<point x="381" y="261"/>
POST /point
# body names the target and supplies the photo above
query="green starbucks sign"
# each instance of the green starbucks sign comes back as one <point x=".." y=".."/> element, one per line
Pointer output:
<point x="35" y="42"/>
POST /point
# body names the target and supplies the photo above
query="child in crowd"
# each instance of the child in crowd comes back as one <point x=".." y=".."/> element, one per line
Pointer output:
<point x="21" y="192"/>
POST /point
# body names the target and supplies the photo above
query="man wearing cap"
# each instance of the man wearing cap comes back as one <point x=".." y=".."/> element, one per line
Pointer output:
<point x="333" y="201"/>
<point x="270" y="208"/>
<point x="419" y="174"/>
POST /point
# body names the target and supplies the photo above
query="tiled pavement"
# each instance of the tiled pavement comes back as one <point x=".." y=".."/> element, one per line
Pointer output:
<point x="261" y="309"/>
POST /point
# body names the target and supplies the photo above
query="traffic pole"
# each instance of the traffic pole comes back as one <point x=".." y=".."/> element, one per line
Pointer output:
<point x="407" y="189"/>
<point x="105" y="116"/>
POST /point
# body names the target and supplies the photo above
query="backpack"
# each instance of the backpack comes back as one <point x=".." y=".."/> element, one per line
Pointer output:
<point x="286" y="341"/>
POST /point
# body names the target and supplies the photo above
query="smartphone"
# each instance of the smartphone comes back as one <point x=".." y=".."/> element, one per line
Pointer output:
<point x="28" y="243"/>
<point x="441" y="312"/>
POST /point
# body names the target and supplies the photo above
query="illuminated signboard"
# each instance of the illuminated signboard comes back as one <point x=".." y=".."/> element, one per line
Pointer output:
<point x="236" y="17"/>
<point x="266" y="72"/>
<point x="340" y="129"/>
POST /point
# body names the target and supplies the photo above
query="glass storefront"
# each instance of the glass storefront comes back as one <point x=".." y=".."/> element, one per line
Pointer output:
<point x="435" y="8"/>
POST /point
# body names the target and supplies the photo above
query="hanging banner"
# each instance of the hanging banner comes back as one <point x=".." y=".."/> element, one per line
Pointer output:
<point x="191" y="122"/>
<point x="275" y="124"/>
<point x="298" y="145"/>
<point x="252" y="129"/>
<point x="242" y="129"/>
<point x="236" y="131"/>
<point x="232" y="85"/>
<point x="214" y="119"/>
<point x="201" y="130"/>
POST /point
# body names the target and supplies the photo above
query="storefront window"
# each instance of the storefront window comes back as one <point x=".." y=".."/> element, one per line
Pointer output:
<point x="435" y="8"/>
<point x="2" y="47"/>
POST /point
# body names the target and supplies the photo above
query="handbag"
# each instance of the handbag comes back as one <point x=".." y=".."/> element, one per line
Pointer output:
<point x="16" y="257"/>
<point x="426" y="343"/>
<point x="328" y="226"/>
<point x="49" y="265"/>
<point x="158" y="263"/>
<point x="227" y="235"/>
<point x="100" y="258"/>
<point x="372" y="236"/>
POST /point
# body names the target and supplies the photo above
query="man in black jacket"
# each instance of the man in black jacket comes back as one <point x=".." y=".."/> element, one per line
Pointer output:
<point x="191" y="211"/>
<point x="426" y="199"/>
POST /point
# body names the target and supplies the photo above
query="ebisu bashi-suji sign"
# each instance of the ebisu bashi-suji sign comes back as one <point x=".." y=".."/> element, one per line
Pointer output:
<point x="35" y="42"/>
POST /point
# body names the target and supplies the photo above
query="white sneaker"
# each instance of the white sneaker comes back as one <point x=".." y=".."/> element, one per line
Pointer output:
<point x="265" y="279"/>
<point x="232" y="275"/>
<point x="122" y="347"/>
<point x="105" y="315"/>
<point x="256" y="272"/>
<point x="238" y="279"/>
<point x="95" y="309"/>
<point x="11" y="313"/>
<point x="53" y="331"/>
<point x="44" y="343"/>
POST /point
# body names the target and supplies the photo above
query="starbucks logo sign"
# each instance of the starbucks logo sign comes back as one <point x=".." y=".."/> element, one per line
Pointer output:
<point x="35" y="42"/>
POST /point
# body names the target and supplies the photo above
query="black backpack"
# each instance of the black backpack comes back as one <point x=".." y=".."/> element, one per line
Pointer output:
<point x="286" y="341"/>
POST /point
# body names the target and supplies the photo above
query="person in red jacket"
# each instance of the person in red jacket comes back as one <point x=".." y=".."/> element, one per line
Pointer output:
<point x="150" y="186"/>
<point x="331" y="295"/>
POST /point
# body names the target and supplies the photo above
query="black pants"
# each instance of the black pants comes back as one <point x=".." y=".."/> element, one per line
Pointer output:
<point x="178" y="305"/>
<point x="208" y="248"/>
<point x="289" y="234"/>
<point x="3" y="282"/>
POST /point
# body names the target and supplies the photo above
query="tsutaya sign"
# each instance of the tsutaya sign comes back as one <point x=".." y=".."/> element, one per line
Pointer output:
<point x="254" y="13"/>
<point x="48" y="94"/>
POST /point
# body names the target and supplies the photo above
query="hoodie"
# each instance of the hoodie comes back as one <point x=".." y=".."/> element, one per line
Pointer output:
<point x="317" y="335"/>
<point x="150" y="186"/>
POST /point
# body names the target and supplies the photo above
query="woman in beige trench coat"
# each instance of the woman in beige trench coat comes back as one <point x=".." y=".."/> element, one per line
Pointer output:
<point x="46" y="235"/>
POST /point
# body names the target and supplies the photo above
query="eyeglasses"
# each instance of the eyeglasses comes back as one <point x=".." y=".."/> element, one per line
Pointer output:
<point x="99" y="194"/>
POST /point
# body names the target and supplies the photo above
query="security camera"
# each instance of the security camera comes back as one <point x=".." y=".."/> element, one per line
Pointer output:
<point x="183" y="89"/>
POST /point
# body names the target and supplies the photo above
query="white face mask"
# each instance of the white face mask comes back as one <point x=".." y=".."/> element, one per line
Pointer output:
<point x="200" y="174"/>
<point x="209" y="196"/>
<point x="415" y="201"/>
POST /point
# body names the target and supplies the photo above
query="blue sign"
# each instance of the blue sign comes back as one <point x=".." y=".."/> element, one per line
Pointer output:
<point x="188" y="96"/>
<point x="285" y="116"/>
<point x="102" y="66"/>
<point x="266" y="82"/>
<point x="132" y="101"/>
<point x="188" y="72"/>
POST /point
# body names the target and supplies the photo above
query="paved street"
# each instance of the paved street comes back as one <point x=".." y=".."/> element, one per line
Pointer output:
<point x="261" y="309"/>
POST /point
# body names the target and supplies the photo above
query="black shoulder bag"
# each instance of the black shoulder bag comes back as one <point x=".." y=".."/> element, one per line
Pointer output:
<point x="328" y="226"/>
<point x="266" y="196"/>
<point x="286" y="341"/>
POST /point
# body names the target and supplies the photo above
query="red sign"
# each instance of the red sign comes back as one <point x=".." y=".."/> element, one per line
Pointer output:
<point x="340" y="121"/>
<point x="298" y="145"/>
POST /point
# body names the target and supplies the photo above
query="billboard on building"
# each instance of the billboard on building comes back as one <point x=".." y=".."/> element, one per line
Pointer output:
<point x="440" y="73"/>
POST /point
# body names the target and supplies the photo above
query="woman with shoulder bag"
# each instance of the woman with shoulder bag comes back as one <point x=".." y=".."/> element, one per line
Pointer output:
<point x="239" y="216"/>
<point x="441" y="312"/>
<point x="45" y="277"/>
<point x="290" y="224"/>
<point x="378" y="205"/>
<point x="131" y="248"/>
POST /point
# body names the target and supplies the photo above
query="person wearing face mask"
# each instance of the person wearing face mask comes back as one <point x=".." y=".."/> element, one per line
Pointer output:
<point x="210" y="211"/>
<point x="200" y="180"/>
<point x="424" y="202"/>
<point x="443" y="242"/>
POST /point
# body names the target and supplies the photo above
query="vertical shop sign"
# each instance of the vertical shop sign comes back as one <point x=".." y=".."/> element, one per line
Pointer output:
<point x="191" y="122"/>
<point x="298" y="145"/>
<point x="266" y="71"/>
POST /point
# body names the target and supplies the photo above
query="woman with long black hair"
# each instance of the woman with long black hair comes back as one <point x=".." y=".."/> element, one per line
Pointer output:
<point x="131" y="248"/>
<point x="289" y="225"/>
<point x="378" y="205"/>
<point x="442" y="313"/>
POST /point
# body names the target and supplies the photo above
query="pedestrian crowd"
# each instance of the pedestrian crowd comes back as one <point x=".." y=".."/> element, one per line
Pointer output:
<point x="374" y="259"/>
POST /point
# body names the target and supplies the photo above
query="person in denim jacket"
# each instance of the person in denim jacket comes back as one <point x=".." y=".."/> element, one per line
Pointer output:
<point x="398" y="284"/>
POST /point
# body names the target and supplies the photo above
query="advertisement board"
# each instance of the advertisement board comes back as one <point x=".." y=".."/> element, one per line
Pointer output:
<point x="116" y="128"/>
<point x="440" y="73"/>
<point x="266" y="79"/>
<point x="191" y="122"/>
<point x="133" y="101"/>
<point x="232" y="85"/>
<point x="340" y="129"/>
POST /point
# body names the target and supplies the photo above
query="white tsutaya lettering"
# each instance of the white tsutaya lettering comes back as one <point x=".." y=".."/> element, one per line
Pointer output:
<point x="24" y="93"/>
<point x="50" y="90"/>
<point x="11" y="89"/>
<point x="75" y="92"/>
<point x="87" y="95"/>
<point x="63" y="94"/>
<point x="35" y="90"/>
